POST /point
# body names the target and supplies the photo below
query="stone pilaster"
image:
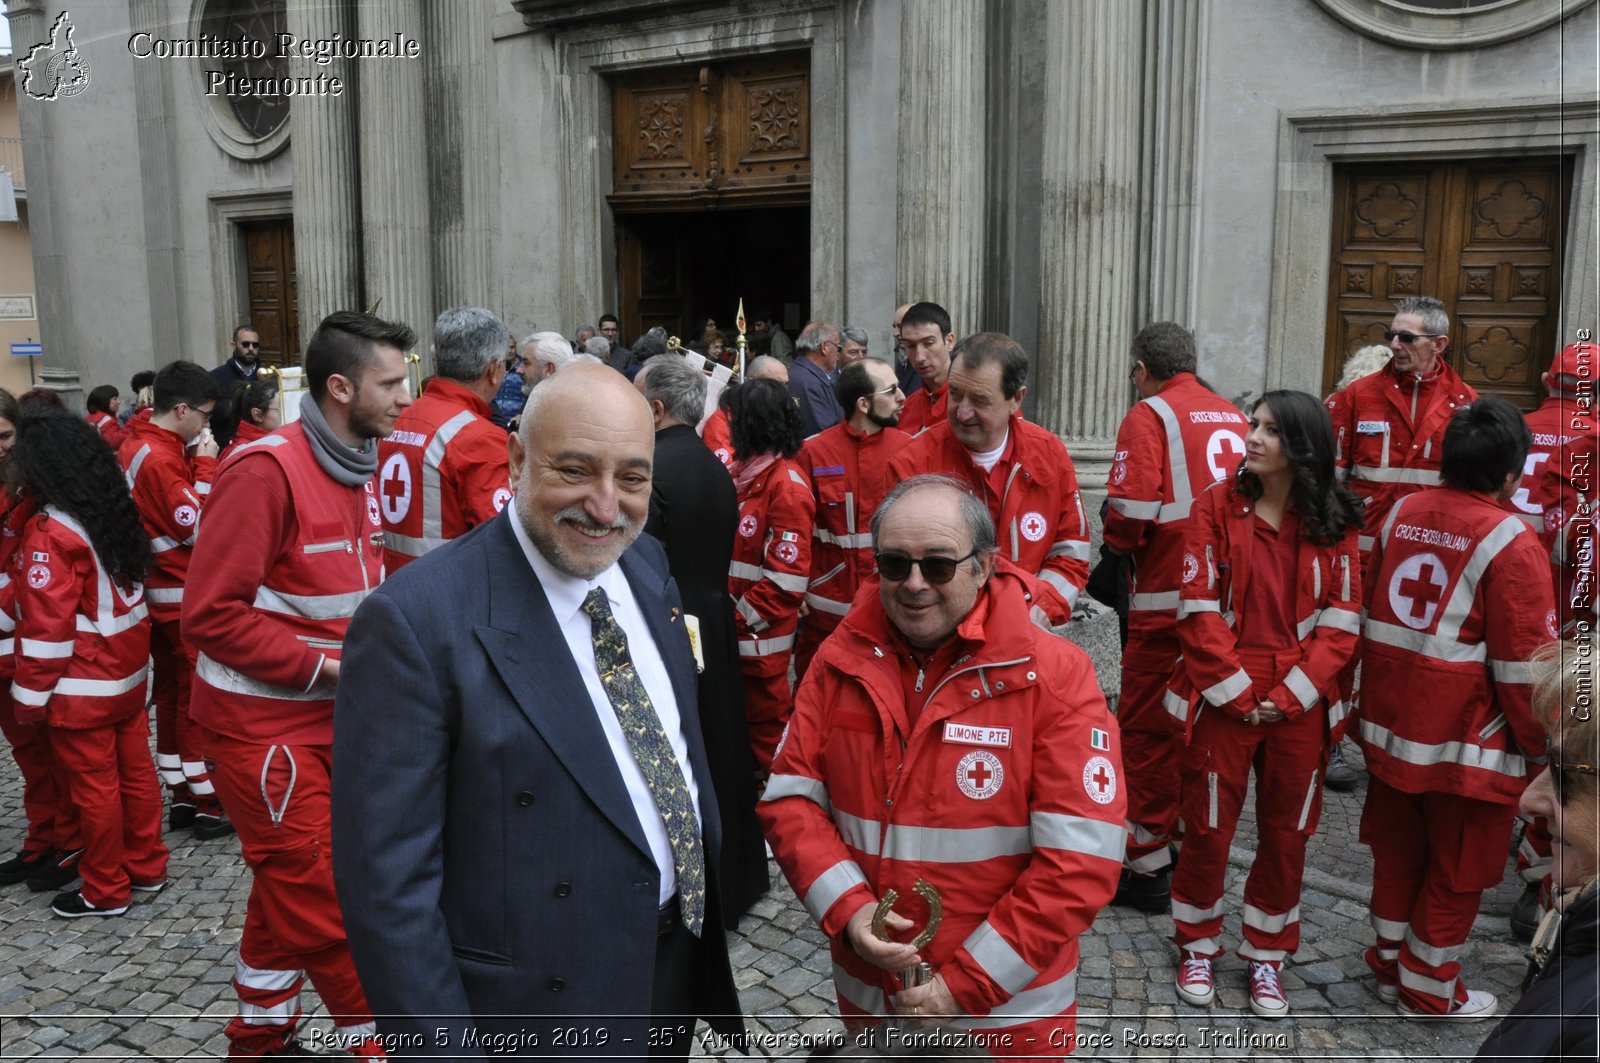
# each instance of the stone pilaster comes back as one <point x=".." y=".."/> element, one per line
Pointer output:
<point x="1174" y="63"/>
<point x="159" y="184"/>
<point x="1089" y="254"/>
<point x="394" y="131"/>
<point x="463" y="154"/>
<point x="942" y="202"/>
<point x="327" y="208"/>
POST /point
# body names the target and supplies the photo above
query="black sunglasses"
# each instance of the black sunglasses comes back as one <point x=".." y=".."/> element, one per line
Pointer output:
<point x="1562" y="775"/>
<point x="249" y="343"/>
<point x="936" y="570"/>
<point x="1409" y="337"/>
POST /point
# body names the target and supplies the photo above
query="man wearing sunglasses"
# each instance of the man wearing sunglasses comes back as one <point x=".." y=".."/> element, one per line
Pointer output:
<point x="941" y="739"/>
<point x="244" y="362"/>
<point x="1389" y="426"/>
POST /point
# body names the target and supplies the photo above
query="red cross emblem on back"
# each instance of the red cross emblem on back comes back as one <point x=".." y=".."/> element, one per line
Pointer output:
<point x="1224" y="452"/>
<point x="1416" y="590"/>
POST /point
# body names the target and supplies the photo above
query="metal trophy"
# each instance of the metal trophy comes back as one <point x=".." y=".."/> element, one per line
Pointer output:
<point x="922" y="973"/>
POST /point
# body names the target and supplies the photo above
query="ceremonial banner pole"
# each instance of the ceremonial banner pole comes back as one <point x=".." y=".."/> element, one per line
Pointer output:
<point x="738" y="323"/>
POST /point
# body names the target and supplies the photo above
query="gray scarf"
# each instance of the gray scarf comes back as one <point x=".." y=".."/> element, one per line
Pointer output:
<point x="349" y="467"/>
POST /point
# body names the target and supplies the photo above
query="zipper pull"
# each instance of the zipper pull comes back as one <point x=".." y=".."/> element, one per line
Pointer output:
<point x="919" y="681"/>
<point x="349" y="547"/>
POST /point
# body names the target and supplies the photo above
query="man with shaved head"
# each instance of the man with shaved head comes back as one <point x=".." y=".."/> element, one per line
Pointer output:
<point x="525" y="834"/>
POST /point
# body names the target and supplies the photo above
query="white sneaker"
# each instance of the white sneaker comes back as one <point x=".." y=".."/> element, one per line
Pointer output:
<point x="1388" y="993"/>
<point x="1195" y="984"/>
<point x="1266" y="992"/>
<point x="1480" y="1004"/>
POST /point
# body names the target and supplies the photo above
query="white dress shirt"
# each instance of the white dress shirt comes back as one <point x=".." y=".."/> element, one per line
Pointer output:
<point x="566" y="595"/>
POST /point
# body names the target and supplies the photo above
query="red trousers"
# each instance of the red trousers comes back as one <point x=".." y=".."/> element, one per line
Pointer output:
<point x="183" y="768"/>
<point x="1287" y="758"/>
<point x="1149" y="751"/>
<point x="816" y="627"/>
<point x="52" y="817"/>
<point x="279" y="801"/>
<point x="768" y="701"/>
<point x="1433" y="855"/>
<point x="108" y="777"/>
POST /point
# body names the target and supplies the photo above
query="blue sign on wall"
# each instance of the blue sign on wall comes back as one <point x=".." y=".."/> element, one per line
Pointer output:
<point x="24" y="350"/>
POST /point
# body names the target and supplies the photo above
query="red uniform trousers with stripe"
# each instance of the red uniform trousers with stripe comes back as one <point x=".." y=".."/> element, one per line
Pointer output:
<point x="768" y="701"/>
<point x="182" y="765"/>
<point x="1433" y="855"/>
<point x="1150" y="751"/>
<point x="52" y="816"/>
<point x="278" y="798"/>
<point x="1287" y="758"/>
<point x="108" y="778"/>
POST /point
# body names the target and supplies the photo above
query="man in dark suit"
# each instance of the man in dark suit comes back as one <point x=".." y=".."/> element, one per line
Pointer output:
<point x="526" y="839"/>
<point x="694" y="511"/>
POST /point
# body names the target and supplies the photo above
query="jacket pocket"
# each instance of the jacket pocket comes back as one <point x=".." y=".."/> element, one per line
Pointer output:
<point x="467" y="952"/>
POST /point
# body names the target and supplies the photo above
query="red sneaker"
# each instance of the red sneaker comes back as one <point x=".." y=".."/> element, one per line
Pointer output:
<point x="1266" y="994"/>
<point x="1195" y="985"/>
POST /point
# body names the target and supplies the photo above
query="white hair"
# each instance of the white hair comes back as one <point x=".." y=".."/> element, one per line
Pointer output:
<point x="1363" y="363"/>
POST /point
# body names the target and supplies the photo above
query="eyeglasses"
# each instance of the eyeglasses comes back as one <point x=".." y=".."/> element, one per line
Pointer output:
<point x="890" y="390"/>
<point x="206" y="413"/>
<point x="1561" y="774"/>
<point x="1409" y="337"/>
<point x="936" y="570"/>
<point x="250" y="343"/>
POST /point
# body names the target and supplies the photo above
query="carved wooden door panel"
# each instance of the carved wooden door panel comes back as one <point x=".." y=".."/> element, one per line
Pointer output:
<point x="1483" y="235"/>
<point x="270" y="281"/>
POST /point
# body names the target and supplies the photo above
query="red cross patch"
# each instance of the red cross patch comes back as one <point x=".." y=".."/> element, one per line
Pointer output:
<point x="1224" y="452"/>
<point x="787" y="552"/>
<point x="1119" y="472"/>
<point x="38" y="576"/>
<point x="1100" y="780"/>
<point x="979" y="775"/>
<point x="1550" y="626"/>
<point x="1416" y="590"/>
<point x="502" y="495"/>
<point x="1033" y="526"/>
<point x="185" y="515"/>
<point x="1191" y="568"/>
<point x="747" y="525"/>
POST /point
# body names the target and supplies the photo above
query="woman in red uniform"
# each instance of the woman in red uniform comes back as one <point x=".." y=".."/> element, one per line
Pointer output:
<point x="83" y="641"/>
<point x="771" y="553"/>
<point x="1268" y="613"/>
<point x="255" y="409"/>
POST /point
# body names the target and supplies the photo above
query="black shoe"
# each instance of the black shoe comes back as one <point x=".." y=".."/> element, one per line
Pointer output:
<point x="22" y="866"/>
<point x="1145" y="893"/>
<point x="1525" y="914"/>
<point x="74" y="906"/>
<point x="1340" y="776"/>
<point x="60" y="871"/>
<point x="212" y="825"/>
<point x="180" y="817"/>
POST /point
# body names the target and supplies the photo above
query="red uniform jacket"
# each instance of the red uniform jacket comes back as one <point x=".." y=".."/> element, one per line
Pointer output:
<point x="718" y="437"/>
<point x="83" y="641"/>
<point x="1216" y="568"/>
<point x="441" y="472"/>
<point x="166" y="483"/>
<point x="924" y="409"/>
<point x="1567" y="494"/>
<point x="999" y="784"/>
<point x="110" y="431"/>
<point x="247" y="432"/>
<point x="1037" y="510"/>
<point x="1170" y="448"/>
<point x="13" y="525"/>
<point x="771" y="563"/>
<point x="1458" y="598"/>
<point x="1556" y="423"/>
<point x="1389" y="429"/>
<point x="286" y="555"/>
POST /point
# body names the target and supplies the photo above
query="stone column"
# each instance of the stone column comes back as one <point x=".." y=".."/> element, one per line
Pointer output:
<point x="463" y="154"/>
<point x="1089" y="253"/>
<point x="942" y="205"/>
<point x="159" y="182"/>
<point x="327" y="208"/>
<point x="1175" y="59"/>
<point x="394" y="176"/>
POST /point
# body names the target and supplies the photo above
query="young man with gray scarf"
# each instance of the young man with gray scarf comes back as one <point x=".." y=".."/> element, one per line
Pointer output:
<point x="290" y="545"/>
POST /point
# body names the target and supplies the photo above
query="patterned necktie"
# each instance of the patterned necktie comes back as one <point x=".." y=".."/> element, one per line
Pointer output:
<point x="647" y="741"/>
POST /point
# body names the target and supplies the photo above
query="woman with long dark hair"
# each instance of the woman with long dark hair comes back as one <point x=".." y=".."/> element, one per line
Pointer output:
<point x="1268" y="613"/>
<point x="83" y="632"/>
<point x="771" y="553"/>
<point x="255" y="409"/>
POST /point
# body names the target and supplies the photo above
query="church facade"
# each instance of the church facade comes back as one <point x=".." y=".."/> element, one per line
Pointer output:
<point x="1271" y="173"/>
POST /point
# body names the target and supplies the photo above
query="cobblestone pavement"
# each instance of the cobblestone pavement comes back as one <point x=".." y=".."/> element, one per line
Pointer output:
<point x="154" y="984"/>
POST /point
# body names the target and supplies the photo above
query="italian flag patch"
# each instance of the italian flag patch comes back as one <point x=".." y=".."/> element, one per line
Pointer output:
<point x="1099" y="739"/>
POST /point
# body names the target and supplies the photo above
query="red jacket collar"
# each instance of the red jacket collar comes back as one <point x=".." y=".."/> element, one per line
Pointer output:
<point x="154" y="434"/>
<point x="457" y="392"/>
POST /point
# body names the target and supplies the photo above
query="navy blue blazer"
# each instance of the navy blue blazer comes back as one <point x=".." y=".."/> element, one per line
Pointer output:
<point x="489" y="862"/>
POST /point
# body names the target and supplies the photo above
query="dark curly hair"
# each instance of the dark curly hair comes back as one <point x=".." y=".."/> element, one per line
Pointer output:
<point x="256" y="394"/>
<point x="64" y="462"/>
<point x="1327" y="508"/>
<point x="762" y="419"/>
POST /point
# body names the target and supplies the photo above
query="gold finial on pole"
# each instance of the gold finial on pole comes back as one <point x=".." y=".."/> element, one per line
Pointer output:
<point x="674" y="345"/>
<point x="738" y="323"/>
<point x="414" y="371"/>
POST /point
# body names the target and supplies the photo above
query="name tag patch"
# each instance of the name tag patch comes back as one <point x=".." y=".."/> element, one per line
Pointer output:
<point x="977" y="734"/>
<point x="1371" y="428"/>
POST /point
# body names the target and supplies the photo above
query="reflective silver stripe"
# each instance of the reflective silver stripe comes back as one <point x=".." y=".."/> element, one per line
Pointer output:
<point x="828" y="575"/>
<point x="30" y="697"/>
<point x="1492" y="727"/>
<point x="47" y="651"/>
<point x="1302" y="630"/>
<point x="1390" y="929"/>
<point x="1177" y="707"/>
<point x="827" y="605"/>
<point x="1152" y="863"/>
<point x="1392" y="475"/>
<point x="1249" y="951"/>
<point x="832" y="884"/>
<point x="163" y="543"/>
<point x="1078" y="834"/>
<point x="1193" y="606"/>
<point x="1340" y="620"/>
<point x="1191" y="913"/>
<point x="1300" y="686"/>
<point x="8" y="646"/>
<point x="1135" y="510"/>
<point x="1316" y="579"/>
<point x="136" y="464"/>
<point x="1139" y="835"/>
<point x="1142" y="603"/>
<point x="1176" y="511"/>
<point x="202" y="487"/>
<point x="1311" y="793"/>
<point x="350" y="1036"/>
<point x="1421" y="983"/>
<point x="1177" y="463"/>
<point x="7" y="623"/>
<point x="852" y="990"/>
<point x="744" y="570"/>
<point x="1365" y="543"/>
<point x="794" y="582"/>
<point x="1077" y="548"/>
<point x="164" y="595"/>
<point x="261" y="978"/>
<point x="1211" y="799"/>
<point x="1511" y="671"/>
<point x="105" y="621"/>
<point x="101" y="688"/>
<point x="224" y="678"/>
<point x="309" y="606"/>
<point x="955" y="845"/>
<point x="1463" y="597"/>
<point x="1420" y="642"/>
<point x="1204" y="947"/>
<point x="797" y="478"/>
<point x="1432" y="955"/>
<point x="432" y="492"/>
<point x="1049" y="999"/>
<point x="116" y="625"/>
<point x="998" y="959"/>
<point x="857" y="541"/>
<point x="862" y="835"/>
<point x="1061" y="584"/>
<point x="781" y="786"/>
<point x="752" y="619"/>
<point x="276" y="1015"/>
<point x="409" y="545"/>
<point x="1272" y="924"/>
<point x="1221" y="693"/>
<point x="1499" y="761"/>
<point x="765" y="647"/>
